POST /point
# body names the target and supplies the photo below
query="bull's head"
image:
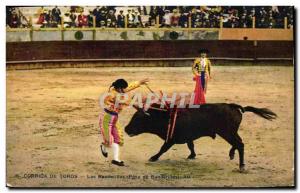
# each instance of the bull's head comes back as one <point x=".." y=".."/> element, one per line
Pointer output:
<point x="139" y="123"/>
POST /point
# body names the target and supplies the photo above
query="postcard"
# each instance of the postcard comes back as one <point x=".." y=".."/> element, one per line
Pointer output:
<point x="150" y="96"/>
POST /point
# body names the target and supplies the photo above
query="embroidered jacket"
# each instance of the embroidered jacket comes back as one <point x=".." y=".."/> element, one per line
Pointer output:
<point x="110" y="100"/>
<point x="200" y="65"/>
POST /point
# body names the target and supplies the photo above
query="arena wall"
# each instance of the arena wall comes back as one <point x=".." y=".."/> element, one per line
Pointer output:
<point x="54" y="34"/>
<point x="132" y="47"/>
<point x="93" y="50"/>
<point x="256" y="34"/>
<point x="17" y="35"/>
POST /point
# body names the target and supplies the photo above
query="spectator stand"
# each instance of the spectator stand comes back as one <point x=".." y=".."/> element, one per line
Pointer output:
<point x="150" y="18"/>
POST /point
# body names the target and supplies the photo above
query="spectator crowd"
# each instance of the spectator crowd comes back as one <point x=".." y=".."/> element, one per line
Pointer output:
<point x="155" y="16"/>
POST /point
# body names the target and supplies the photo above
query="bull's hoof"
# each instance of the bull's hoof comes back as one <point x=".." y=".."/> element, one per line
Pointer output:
<point x="213" y="135"/>
<point x="231" y="154"/>
<point x="153" y="159"/>
<point x="192" y="156"/>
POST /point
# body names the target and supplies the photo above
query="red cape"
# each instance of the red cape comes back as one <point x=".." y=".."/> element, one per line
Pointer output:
<point x="198" y="92"/>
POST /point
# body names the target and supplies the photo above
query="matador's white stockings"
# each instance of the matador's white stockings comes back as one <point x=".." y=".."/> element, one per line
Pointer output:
<point x="116" y="150"/>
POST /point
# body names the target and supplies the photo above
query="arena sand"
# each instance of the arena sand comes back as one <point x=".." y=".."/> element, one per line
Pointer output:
<point x="52" y="129"/>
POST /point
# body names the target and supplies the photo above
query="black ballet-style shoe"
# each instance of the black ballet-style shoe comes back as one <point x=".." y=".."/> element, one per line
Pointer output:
<point x="105" y="154"/>
<point x="118" y="163"/>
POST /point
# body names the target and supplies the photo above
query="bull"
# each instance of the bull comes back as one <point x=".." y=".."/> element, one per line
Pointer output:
<point x="192" y="123"/>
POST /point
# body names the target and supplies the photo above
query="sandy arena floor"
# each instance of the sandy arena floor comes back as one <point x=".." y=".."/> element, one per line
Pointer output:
<point x="53" y="136"/>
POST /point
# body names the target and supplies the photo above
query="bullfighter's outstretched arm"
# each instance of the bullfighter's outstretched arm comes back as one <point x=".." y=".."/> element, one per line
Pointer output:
<point x="135" y="84"/>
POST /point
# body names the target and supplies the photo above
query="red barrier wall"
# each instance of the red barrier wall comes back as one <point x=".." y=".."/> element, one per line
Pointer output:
<point x="25" y="51"/>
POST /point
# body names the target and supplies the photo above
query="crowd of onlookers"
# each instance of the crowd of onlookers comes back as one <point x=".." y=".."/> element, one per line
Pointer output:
<point x="15" y="18"/>
<point x="156" y="16"/>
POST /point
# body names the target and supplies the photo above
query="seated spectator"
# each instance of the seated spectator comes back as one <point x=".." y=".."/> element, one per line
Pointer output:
<point x="175" y="18"/>
<point x="110" y="23"/>
<point x="104" y="10"/>
<point x="214" y="21"/>
<point x="262" y="13"/>
<point x="121" y="19"/>
<point x="262" y="23"/>
<point x="103" y="24"/>
<point x="215" y="16"/>
<point x="198" y="21"/>
<point x="14" y="20"/>
<point x="193" y="14"/>
<point x="103" y="15"/>
<point x="96" y="13"/>
<point x="82" y="20"/>
<point x="90" y="19"/>
<point x="23" y="21"/>
<point x="270" y="22"/>
<point x="42" y="16"/>
<point x="233" y="22"/>
<point x="183" y="20"/>
<point x="56" y="14"/>
<point x="153" y="14"/>
<point x="130" y="18"/>
<point x="137" y="21"/>
<point x="244" y="23"/>
<point x="67" y="20"/>
<point x="111" y="16"/>
<point x="205" y="23"/>
<point x="48" y="19"/>
<point x="167" y="19"/>
<point x="73" y="19"/>
<point x="161" y="13"/>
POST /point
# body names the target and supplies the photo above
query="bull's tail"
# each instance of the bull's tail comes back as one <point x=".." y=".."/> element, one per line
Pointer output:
<point x="262" y="112"/>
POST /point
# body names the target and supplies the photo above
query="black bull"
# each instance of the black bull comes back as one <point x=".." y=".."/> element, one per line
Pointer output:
<point x="208" y="120"/>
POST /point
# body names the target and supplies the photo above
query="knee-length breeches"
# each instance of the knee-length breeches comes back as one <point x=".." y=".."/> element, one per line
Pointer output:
<point x="110" y="128"/>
